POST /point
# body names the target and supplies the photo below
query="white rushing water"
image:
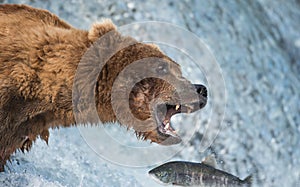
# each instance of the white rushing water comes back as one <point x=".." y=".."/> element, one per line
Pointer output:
<point x="256" y="44"/>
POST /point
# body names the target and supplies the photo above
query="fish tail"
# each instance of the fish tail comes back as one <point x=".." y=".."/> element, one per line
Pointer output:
<point x="248" y="180"/>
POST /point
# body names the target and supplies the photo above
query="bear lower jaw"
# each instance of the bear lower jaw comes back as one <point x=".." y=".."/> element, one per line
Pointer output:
<point x="163" y="114"/>
<point x="165" y="131"/>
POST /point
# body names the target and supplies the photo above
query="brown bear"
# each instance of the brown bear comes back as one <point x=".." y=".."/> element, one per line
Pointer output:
<point x="39" y="57"/>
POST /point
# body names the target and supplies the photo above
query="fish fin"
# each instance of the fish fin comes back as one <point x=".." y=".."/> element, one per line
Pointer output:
<point x="248" y="180"/>
<point x="210" y="161"/>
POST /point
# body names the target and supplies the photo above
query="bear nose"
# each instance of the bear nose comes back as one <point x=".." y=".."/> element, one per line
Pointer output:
<point x="201" y="90"/>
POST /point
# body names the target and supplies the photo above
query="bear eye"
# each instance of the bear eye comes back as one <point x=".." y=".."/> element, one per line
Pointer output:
<point x="162" y="69"/>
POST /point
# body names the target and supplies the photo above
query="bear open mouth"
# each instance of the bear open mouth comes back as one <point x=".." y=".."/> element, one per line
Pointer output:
<point x="164" y="121"/>
<point x="164" y="113"/>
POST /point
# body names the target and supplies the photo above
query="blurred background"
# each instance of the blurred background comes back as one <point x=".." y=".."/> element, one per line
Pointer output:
<point x="257" y="45"/>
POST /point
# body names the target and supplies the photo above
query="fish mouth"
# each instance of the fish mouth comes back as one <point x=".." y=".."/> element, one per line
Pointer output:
<point x="163" y="115"/>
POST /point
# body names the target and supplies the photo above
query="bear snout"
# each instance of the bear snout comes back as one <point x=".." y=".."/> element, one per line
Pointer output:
<point x="202" y="92"/>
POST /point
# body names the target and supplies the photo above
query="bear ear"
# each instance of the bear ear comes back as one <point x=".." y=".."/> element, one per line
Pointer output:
<point x="154" y="46"/>
<point x="99" y="29"/>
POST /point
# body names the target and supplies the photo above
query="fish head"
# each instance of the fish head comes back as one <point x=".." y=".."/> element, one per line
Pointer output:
<point x="163" y="174"/>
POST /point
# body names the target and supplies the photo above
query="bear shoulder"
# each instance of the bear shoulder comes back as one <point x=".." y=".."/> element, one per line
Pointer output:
<point x="12" y="13"/>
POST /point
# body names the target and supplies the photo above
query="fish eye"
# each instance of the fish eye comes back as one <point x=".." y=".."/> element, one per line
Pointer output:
<point x="164" y="174"/>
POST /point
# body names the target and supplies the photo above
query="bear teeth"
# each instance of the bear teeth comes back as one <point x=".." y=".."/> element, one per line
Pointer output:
<point x="167" y="126"/>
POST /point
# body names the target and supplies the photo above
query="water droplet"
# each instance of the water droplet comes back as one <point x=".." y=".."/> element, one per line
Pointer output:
<point x="130" y="5"/>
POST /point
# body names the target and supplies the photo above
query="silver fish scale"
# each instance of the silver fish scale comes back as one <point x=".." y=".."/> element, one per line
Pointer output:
<point x="194" y="174"/>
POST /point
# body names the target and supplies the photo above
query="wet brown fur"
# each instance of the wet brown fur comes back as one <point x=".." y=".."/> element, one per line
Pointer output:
<point x="39" y="55"/>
